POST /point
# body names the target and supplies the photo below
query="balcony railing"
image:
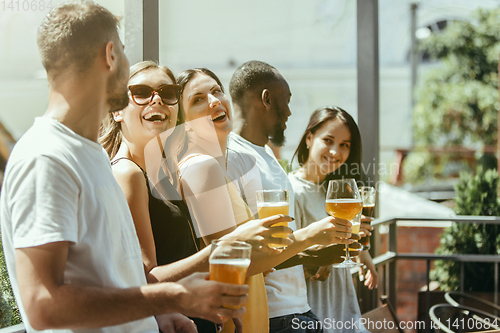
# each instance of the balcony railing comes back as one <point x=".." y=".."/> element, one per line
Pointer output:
<point x="388" y="260"/>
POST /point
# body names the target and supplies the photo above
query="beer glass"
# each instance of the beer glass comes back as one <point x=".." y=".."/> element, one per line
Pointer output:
<point x="344" y="201"/>
<point x="368" y="197"/>
<point x="273" y="202"/>
<point x="229" y="261"/>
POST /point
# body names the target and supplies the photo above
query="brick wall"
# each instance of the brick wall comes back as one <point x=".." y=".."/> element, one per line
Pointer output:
<point x="412" y="273"/>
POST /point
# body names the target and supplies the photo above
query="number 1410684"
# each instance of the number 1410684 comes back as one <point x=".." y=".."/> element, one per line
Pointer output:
<point x="26" y="5"/>
<point x="470" y="324"/>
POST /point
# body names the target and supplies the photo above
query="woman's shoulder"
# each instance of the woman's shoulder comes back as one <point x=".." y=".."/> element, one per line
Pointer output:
<point x="298" y="183"/>
<point x="201" y="168"/>
<point x="198" y="160"/>
<point x="127" y="171"/>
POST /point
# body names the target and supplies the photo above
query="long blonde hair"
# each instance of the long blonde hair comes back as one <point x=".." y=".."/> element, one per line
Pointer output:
<point x="110" y="136"/>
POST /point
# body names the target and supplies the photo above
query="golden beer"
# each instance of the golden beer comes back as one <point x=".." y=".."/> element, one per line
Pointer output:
<point x="229" y="261"/>
<point x="355" y="228"/>
<point x="229" y="270"/>
<point x="267" y="209"/>
<point x="345" y="209"/>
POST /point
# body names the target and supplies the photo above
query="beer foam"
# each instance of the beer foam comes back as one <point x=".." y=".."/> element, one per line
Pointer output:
<point x="242" y="262"/>
<point x="271" y="204"/>
<point x="343" y="200"/>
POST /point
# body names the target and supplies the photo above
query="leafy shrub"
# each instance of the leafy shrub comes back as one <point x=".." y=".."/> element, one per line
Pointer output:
<point x="476" y="195"/>
<point x="9" y="312"/>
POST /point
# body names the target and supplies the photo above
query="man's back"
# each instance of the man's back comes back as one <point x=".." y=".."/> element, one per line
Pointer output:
<point x="59" y="187"/>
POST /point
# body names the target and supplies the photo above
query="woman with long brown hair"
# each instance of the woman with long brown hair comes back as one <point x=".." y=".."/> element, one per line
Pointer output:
<point x="330" y="148"/>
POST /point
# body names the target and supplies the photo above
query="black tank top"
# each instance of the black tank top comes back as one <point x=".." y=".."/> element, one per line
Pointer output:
<point x="173" y="232"/>
<point x="170" y="220"/>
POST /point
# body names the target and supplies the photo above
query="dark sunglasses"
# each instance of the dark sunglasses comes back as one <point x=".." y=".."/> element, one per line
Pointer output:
<point x="142" y="94"/>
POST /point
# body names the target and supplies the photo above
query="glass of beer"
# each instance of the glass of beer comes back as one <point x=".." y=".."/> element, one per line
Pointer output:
<point x="344" y="201"/>
<point x="368" y="197"/>
<point x="229" y="261"/>
<point x="274" y="202"/>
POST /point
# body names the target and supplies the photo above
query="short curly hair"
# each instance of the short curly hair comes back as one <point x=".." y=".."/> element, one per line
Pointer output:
<point x="252" y="76"/>
<point x="72" y="34"/>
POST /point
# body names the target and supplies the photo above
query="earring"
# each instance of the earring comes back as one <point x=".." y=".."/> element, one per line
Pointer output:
<point x="307" y="147"/>
<point x="117" y="116"/>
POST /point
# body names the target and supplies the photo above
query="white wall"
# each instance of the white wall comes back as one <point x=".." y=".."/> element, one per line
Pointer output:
<point x="312" y="43"/>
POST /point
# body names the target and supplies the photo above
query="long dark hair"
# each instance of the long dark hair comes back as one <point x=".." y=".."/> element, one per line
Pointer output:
<point x="352" y="166"/>
<point x="184" y="77"/>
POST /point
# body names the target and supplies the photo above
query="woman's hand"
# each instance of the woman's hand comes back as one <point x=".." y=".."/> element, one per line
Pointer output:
<point x="365" y="228"/>
<point x="259" y="233"/>
<point x="368" y="272"/>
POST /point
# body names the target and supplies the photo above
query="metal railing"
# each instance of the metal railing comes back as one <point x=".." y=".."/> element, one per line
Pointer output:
<point x="388" y="260"/>
<point x="19" y="328"/>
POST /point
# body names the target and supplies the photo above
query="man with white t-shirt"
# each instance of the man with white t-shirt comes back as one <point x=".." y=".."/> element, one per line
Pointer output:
<point x="260" y="97"/>
<point x="71" y="248"/>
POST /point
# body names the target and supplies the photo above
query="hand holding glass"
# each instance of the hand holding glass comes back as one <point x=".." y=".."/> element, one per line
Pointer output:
<point x="274" y="202"/>
<point x="344" y="201"/>
<point x="368" y="197"/>
<point x="229" y="261"/>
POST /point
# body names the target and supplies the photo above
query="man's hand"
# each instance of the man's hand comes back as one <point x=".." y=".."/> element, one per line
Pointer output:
<point x="317" y="273"/>
<point x="175" y="323"/>
<point x="238" y="325"/>
<point x="259" y="233"/>
<point x="206" y="299"/>
<point x="326" y="255"/>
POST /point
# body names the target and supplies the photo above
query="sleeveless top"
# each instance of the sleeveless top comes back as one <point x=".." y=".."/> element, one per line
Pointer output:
<point x="172" y="230"/>
<point x="256" y="317"/>
<point x="173" y="233"/>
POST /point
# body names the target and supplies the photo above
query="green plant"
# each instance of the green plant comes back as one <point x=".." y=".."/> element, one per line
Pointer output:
<point x="476" y="195"/>
<point x="457" y="100"/>
<point x="9" y="312"/>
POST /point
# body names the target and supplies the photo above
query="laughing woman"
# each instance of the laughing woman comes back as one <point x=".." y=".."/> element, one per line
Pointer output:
<point x="214" y="202"/>
<point x="163" y="227"/>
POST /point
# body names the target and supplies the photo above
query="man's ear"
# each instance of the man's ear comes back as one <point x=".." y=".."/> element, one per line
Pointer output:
<point x="118" y="116"/>
<point x="110" y="56"/>
<point x="266" y="98"/>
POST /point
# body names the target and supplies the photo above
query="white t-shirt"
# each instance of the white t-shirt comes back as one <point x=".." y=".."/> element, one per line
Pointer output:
<point x="286" y="288"/>
<point x="58" y="186"/>
<point x="333" y="300"/>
